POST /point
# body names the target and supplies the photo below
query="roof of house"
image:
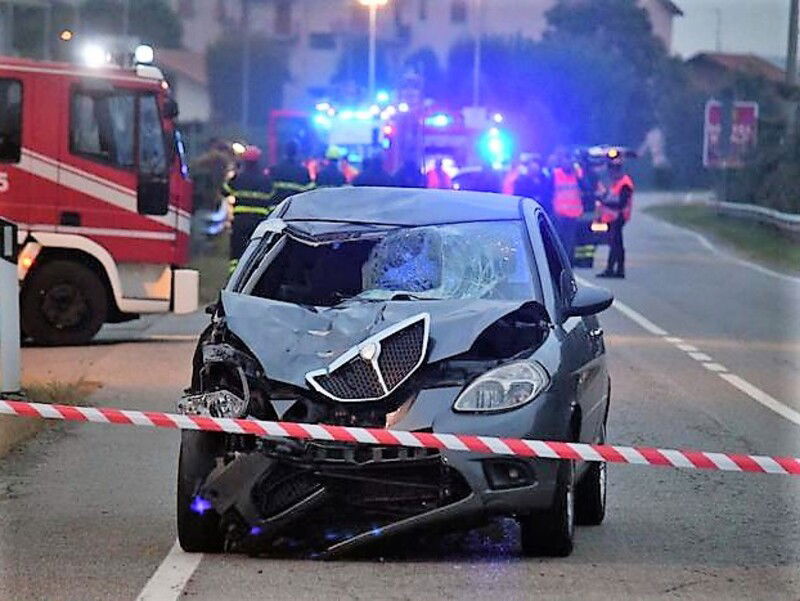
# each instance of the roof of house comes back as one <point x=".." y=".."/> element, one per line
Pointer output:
<point x="748" y="64"/>
<point x="185" y="63"/>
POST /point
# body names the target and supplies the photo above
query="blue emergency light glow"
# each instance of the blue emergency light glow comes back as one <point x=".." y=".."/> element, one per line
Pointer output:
<point x="200" y="505"/>
<point x="346" y="115"/>
<point x="438" y="120"/>
<point x="322" y="121"/>
<point x="496" y="146"/>
<point x="323" y="106"/>
<point x="382" y="97"/>
<point x="403" y="107"/>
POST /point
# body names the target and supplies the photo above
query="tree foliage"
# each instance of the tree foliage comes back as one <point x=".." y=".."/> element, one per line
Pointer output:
<point x="353" y="65"/>
<point x="425" y="63"/>
<point x="152" y="21"/>
<point x="268" y="73"/>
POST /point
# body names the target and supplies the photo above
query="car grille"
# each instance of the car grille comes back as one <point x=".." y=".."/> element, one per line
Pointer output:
<point x="395" y="354"/>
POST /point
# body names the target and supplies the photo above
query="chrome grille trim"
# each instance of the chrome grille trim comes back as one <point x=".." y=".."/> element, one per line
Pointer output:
<point x="371" y="348"/>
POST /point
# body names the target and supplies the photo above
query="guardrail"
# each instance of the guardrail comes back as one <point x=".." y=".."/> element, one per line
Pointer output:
<point x="786" y="222"/>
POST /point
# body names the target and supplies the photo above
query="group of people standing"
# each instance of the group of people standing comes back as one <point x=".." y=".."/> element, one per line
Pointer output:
<point x="565" y="188"/>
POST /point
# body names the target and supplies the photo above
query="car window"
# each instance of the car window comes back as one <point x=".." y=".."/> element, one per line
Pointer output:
<point x="152" y="150"/>
<point x="556" y="262"/>
<point x="489" y="260"/>
<point x="102" y="127"/>
<point x="10" y="120"/>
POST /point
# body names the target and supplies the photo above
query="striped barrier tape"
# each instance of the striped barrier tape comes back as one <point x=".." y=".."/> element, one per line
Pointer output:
<point x="729" y="462"/>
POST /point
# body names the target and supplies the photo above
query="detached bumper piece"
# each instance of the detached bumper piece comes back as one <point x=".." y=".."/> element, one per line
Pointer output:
<point x="328" y="498"/>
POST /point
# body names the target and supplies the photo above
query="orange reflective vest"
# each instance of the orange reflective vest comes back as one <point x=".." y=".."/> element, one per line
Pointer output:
<point x="567" y="194"/>
<point x="610" y="214"/>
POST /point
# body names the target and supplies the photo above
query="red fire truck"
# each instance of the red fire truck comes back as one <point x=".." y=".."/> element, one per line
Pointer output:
<point x="92" y="170"/>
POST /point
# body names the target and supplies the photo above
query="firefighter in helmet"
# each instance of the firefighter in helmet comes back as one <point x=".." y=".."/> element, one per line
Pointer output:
<point x="616" y="204"/>
<point x="253" y="198"/>
<point x="330" y="176"/>
<point x="289" y="176"/>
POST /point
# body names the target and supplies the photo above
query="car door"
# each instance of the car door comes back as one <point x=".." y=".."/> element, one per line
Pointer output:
<point x="577" y="356"/>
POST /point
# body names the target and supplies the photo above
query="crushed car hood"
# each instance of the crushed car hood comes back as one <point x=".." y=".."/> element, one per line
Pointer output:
<point x="290" y="340"/>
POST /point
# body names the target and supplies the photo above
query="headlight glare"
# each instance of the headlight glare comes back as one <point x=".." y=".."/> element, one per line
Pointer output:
<point x="503" y="388"/>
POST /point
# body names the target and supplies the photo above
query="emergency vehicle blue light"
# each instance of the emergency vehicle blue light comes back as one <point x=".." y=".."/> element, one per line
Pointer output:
<point x="439" y="120"/>
<point x="322" y="121"/>
<point x="200" y="505"/>
<point x="323" y="106"/>
<point x="382" y="97"/>
<point x="496" y="146"/>
<point x="346" y="115"/>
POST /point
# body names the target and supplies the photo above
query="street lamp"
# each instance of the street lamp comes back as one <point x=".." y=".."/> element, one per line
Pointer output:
<point x="373" y="20"/>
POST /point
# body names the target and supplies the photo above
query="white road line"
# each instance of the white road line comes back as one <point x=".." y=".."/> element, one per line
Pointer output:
<point x="674" y="340"/>
<point x="716" y="367"/>
<point x="169" y="580"/>
<point x="687" y="348"/>
<point x="700" y="357"/>
<point x="762" y="397"/>
<point x="639" y="318"/>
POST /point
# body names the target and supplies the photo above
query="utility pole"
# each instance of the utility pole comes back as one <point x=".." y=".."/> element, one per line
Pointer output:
<point x="126" y="17"/>
<point x="245" y="64"/>
<point x="476" y="61"/>
<point x="791" y="69"/>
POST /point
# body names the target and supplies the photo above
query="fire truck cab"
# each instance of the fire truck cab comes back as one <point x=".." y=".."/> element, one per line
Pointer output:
<point x="93" y="172"/>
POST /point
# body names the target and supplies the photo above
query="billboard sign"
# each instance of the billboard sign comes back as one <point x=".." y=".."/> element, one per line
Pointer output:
<point x="730" y="133"/>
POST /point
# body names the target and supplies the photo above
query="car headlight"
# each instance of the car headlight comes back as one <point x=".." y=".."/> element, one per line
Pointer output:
<point x="503" y="388"/>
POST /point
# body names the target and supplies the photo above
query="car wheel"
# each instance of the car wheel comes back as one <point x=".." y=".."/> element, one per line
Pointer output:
<point x="590" y="494"/>
<point x="551" y="532"/>
<point x="198" y="524"/>
<point x="63" y="303"/>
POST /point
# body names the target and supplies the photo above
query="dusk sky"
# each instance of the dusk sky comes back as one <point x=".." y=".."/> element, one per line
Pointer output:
<point x="754" y="26"/>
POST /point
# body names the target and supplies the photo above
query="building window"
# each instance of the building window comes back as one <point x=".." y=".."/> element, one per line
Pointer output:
<point x="423" y="10"/>
<point x="10" y="120"/>
<point x="458" y="11"/>
<point x="283" y="17"/>
<point x="322" y="41"/>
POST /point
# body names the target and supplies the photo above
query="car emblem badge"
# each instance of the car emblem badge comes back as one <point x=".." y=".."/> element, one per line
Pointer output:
<point x="368" y="351"/>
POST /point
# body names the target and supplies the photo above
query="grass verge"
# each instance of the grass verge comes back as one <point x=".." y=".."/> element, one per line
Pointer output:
<point x="14" y="430"/>
<point x="211" y="260"/>
<point x="755" y="241"/>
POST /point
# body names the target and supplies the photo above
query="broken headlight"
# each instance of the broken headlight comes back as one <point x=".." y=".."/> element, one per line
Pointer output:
<point x="506" y="387"/>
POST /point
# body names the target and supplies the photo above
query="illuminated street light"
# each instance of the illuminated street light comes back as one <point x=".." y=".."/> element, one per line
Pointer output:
<point x="95" y="56"/>
<point x="66" y="35"/>
<point x="373" y="35"/>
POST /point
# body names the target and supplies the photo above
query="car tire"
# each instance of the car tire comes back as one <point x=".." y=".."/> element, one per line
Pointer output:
<point x="63" y="303"/>
<point x="197" y="532"/>
<point x="590" y="493"/>
<point x="551" y="532"/>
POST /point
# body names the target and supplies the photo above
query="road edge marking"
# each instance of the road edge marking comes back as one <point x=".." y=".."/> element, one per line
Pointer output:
<point x="171" y="576"/>
<point x="762" y="397"/>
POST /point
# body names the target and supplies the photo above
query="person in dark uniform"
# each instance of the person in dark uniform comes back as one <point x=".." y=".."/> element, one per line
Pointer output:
<point x="616" y="208"/>
<point x="330" y="176"/>
<point x="374" y="174"/>
<point x="409" y="175"/>
<point x="253" y="201"/>
<point x="289" y="176"/>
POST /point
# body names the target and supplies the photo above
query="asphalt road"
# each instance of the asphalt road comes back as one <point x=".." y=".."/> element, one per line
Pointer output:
<point x="705" y="353"/>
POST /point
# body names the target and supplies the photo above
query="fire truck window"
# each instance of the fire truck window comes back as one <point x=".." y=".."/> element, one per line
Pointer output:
<point x="102" y="127"/>
<point x="152" y="150"/>
<point x="10" y="120"/>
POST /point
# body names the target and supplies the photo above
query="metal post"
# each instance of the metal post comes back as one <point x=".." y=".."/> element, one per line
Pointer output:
<point x="126" y="18"/>
<point x="245" y="63"/>
<point x="476" y="62"/>
<point x="9" y="309"/>
<point x="791" y="68"/>
<point x="373" y="49"/>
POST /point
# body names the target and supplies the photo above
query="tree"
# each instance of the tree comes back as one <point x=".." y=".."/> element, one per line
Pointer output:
<point x="152" y="21"/>
<point x="425" y="63"/>
<point x="269" y="73"/>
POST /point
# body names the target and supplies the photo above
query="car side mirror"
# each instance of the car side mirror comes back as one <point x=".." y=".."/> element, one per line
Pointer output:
<point x="170" y="109"/>
<point x="589" y="300"/>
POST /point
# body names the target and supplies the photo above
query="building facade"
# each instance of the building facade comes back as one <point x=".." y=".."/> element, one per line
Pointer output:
<point x="318" y="30"/>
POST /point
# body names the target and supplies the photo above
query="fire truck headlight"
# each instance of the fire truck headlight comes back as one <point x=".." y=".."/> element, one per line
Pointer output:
<point x="95" y="55"/>
<point x="143" y="54"/>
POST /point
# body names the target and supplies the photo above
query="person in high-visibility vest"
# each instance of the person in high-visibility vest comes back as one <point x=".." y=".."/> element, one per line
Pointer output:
<point x="253" y="202"/>
<point x="616" y="206"/>
<point x="437" y="177"/>
<point x="289" y="176"/>
<point x="567" y="203"/>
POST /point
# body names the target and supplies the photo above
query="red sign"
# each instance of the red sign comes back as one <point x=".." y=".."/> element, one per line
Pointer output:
<point x="729" y="135"/>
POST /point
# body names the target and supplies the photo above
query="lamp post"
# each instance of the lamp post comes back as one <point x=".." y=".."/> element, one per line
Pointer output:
<point x="476" y="61"/>
<point x="373" y="41"/>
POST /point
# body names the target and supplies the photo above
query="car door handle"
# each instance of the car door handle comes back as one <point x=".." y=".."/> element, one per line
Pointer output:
<point x="596" y="333"/>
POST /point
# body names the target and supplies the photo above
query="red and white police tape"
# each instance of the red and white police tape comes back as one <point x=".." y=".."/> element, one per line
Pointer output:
<point x="728" y="462"/>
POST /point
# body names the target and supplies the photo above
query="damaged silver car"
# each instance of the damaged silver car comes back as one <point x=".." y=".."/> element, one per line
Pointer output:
<point x="417" y="310"/>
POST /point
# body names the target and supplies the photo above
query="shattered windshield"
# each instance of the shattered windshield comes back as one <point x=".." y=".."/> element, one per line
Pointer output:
<point x="489" y="260"/>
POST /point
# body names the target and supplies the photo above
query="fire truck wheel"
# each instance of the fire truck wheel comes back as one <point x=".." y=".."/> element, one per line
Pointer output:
<point x="63" y="303"/>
